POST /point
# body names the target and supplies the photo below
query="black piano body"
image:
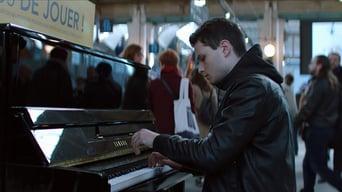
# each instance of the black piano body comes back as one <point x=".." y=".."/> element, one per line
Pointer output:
<point x="49" y="148"/>
<point x="55" y="149"/>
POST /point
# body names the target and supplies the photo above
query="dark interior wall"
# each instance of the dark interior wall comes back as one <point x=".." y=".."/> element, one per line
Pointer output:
<point x="305" y="45"/>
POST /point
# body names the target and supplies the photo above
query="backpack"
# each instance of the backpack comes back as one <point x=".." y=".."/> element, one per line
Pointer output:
<point x="207" y="110"/>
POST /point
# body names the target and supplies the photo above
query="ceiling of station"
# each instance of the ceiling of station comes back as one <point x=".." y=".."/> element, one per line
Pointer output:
<point x="166" y="11"/>
<point x="246" y="12"/>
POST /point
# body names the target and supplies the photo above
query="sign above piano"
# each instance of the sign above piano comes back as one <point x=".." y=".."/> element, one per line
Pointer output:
<point x="68" y="20"/>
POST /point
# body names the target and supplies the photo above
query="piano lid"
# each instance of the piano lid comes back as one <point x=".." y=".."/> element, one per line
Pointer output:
<point x="43" y="117"/>
<point x="69" y="137"/>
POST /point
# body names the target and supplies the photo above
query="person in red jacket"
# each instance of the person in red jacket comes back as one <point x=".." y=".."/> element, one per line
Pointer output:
<point x="159" y="99"/>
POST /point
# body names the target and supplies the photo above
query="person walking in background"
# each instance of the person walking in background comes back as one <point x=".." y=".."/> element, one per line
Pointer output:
<point x="22" y="81"/>
<point x="51" y="85"/>
<point x="91" y="74"/>
<point x="249" y="147"/>
<point x="133" y="52"/>
<point x="159" y="99"/>
<point x="203" y="92"/>
<point x="335" y="63"/>
<point x="135" y="96"/>
<point x="289" y="94"/>
<point x="81" y="83"/>
<point x="103" y="93"/>
<point x="206" y="102"/>
<point x="320" y="111"/>
<point x="79" y="89"/>
<point x="304" y="125"/>
<point x="291" y="100"/>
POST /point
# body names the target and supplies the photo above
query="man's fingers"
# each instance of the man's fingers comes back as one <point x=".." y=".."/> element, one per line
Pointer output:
<point x="171" y="163"/>
<point x="136" y="150"/>
<point x="155" y="160"/>
<point x="142" y="137"/>
<point x="135" y="142"/>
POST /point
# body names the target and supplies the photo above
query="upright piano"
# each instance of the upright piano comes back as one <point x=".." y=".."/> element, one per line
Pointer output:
<point x="55" y="149"/>
<point x="70" y="148"/>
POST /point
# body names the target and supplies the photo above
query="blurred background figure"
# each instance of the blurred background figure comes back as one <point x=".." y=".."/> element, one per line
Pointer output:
<point x="51" y="84"/>
<point x="320" y="110"/>
<point x="159" y="98"/>
<point x="103" y="93"/>
<point x="136" y="88"/>
<point x="206" y="102"/>
<point x="22" y="77"/>
<point x="134" y="53"/>
<point x="335" y="63"/>
<point x="203" y="92"/>
<point x="79" y="89"/>
<point x="22" y="85"/>
<point x="291" y="100"/>
<point x="91" y="74"/>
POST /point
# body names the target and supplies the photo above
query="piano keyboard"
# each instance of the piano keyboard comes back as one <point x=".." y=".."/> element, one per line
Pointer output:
<point x="135" y="177"/>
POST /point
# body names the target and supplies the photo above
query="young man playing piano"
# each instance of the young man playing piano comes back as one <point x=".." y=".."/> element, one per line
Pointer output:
<point x="249" y="146"/>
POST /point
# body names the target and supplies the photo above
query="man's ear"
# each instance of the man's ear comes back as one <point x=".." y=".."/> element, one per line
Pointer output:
<point x="226" y="47"/>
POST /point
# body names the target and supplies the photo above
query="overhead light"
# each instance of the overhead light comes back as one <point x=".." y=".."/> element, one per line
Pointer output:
<point x="227" y="15"/>
<point x="199" y="3"/>
<point x="269" y="50"/>
<point x="246" y="40"/>
<point x="48" y="48"/>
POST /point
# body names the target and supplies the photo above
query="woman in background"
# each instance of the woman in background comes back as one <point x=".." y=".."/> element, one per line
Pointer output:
<point x="202" y="89"/>
<point x="136" y="88"/>
<point x="160" y="100"/>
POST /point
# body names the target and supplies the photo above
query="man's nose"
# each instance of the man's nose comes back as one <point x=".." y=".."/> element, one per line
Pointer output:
<point x="200" y="68"/>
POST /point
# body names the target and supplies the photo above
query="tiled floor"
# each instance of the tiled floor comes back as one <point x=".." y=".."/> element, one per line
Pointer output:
<point x="190" y="185"/>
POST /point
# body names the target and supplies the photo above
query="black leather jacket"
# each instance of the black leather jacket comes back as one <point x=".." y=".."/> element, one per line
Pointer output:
<point x="321" y="106"/>
<point x="249" y="147"/>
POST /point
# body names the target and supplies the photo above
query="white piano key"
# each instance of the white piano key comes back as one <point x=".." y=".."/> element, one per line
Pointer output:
<point x="135" y="177"/>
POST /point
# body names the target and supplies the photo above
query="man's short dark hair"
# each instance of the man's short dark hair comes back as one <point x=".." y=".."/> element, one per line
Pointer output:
<point x="213" y="31"/>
